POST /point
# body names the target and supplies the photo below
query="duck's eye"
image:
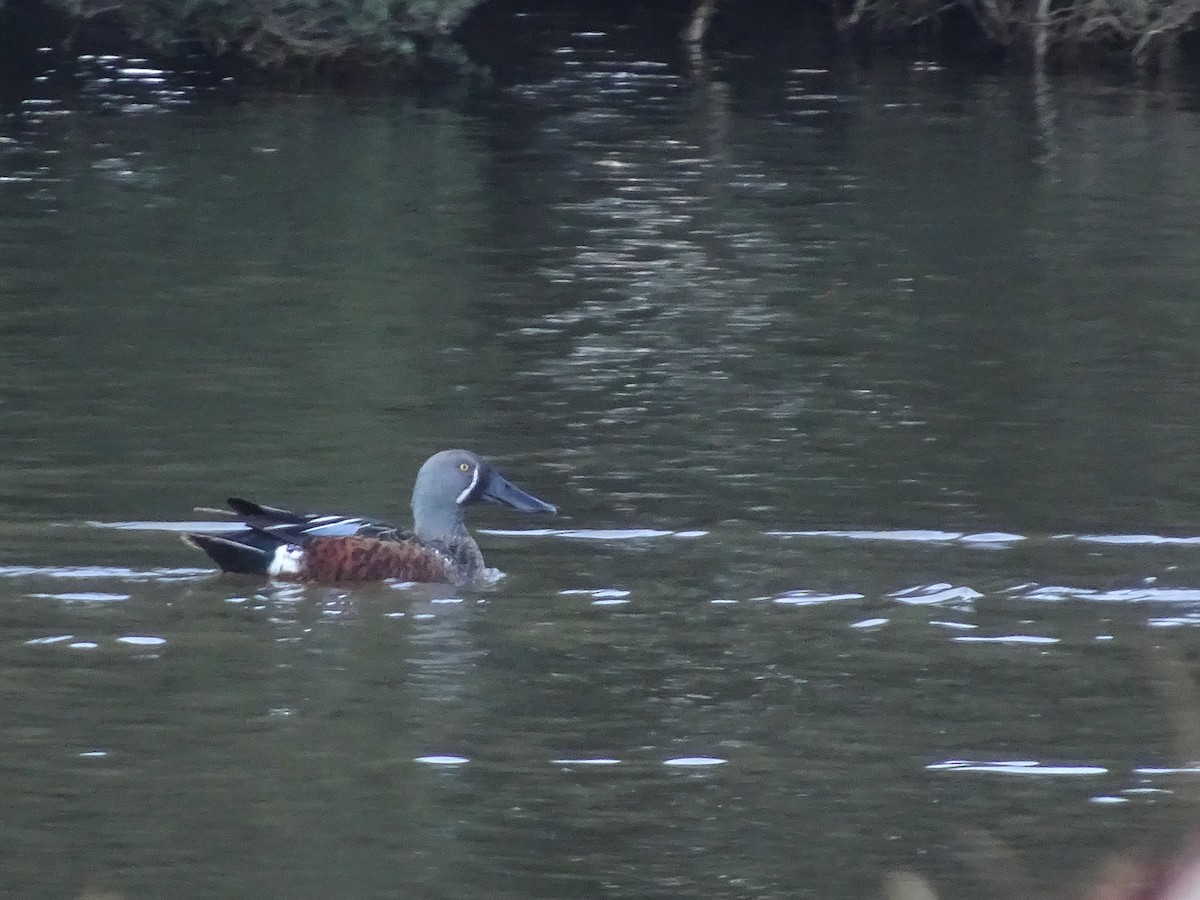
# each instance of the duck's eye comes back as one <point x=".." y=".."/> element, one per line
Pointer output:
<point x="464" y="467"/>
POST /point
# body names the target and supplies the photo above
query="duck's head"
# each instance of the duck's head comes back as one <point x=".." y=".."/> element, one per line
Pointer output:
<point x="450" y="481"/>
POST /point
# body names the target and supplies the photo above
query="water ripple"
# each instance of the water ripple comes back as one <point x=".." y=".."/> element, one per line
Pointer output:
<point x="117" y="572"/>
<point x="139" y="640"/>
<point x="959" y="596"/>
<point x="1189" y="620"/>
<point x="681" y="762"/>
<point x="1119" y="595"/>
<point x="1151" y="540"/>
<point x="1023" y="767"/>
<point x="811" y="598"/>
<point x="980" y="539"/>
<point x="1006" y="639"/>
<point x="82" y="597"/>
<point x="917" y="536"/>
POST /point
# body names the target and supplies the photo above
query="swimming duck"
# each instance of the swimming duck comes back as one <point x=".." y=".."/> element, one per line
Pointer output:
<point x="294" y="546"/>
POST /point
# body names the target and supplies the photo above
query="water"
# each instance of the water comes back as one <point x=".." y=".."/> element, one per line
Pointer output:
<point x="868" y="398"/>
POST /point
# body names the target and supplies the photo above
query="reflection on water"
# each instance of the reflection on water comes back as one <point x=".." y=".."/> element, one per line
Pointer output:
<point x="870" y="413"/>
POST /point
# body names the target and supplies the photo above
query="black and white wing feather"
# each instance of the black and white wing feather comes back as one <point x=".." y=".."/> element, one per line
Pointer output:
<point x="295" y="527"/>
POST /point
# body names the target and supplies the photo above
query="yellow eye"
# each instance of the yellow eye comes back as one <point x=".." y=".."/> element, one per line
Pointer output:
<point x="464" y="467"/>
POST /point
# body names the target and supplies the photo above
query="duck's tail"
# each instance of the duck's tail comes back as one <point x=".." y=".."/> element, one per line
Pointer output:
<point x="249" y="552"/>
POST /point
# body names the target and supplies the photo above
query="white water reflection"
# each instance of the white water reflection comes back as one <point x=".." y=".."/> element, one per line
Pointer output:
<point x="442" y="760"/>
<point x="682" y="762"/>
<point x="1179" y="595"/>
<point x="1135" y="540"/>
<point x="116" y="573"/>
<point x="1190" y="620"/>
<point x="955" y="596"/>
<point x="1168" y="770"/>
<point x="981" y="539"/>
<point x="1032" y="768"/>
<point x="811" y="598"/>
<point x="82" y="597"/>
<point x="1016" y="639"/>
<point x="142" y="641"/>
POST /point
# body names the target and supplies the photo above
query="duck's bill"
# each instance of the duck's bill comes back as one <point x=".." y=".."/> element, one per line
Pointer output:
<point x="499" y="489"/>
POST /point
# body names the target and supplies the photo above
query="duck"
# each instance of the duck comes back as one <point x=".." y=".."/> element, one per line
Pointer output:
<point x="312" y="547"/>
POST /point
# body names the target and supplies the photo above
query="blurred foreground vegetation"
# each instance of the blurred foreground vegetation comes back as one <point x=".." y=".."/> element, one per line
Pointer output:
<point x="330" y="35"/>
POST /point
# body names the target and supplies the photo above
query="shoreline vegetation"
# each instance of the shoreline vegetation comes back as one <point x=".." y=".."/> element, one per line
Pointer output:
<point x="424" y="39"/>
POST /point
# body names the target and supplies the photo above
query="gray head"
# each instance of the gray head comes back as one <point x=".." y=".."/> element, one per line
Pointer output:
<point x="450" y="481"/>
